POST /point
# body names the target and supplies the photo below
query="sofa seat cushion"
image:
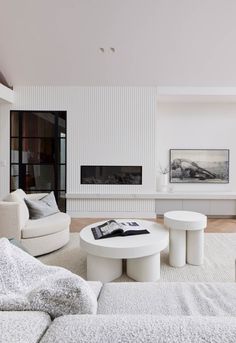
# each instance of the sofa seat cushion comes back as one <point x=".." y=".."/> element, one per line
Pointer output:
<point x="140" y="328"/>
<point x="23" y="326"/>
<point x="46" y="226"/>
<point x="172" y="298"/>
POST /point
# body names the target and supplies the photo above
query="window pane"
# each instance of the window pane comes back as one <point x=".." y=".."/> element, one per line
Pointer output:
<point x="38" y="124"/>
<point x="62" y="201"/>
<point x="62" y="124"/>
<point x="39" y="177"/>
<point x="14" y="124"/>
<point x="38" y="150"/>
<point x="14" y="150"/>
<point x="14" y="177"/>
<point x="62" y="177"/>
<point x="62" y="151"/>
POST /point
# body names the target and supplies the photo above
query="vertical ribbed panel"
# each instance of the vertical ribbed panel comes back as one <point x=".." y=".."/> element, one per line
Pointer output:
<point x="112" y="205"/>
<point x="106" y="126"/>
<point x="112" y="126"/>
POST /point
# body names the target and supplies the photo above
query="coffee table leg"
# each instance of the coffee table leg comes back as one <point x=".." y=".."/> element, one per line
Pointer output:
<point x="103" y="269"/>
<point x="177" y="248"/>
<point x="144" y="269"/>
<point x="195" y="247"/>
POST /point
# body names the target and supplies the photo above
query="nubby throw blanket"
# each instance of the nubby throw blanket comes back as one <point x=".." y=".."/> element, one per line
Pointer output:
<point x="26" y="284"/>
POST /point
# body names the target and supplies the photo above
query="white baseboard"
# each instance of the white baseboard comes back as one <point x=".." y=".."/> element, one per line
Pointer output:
<point x="112" y="214"/>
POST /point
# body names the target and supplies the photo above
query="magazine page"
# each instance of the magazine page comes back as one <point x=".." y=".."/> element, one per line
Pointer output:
<point x="131" y="226"/>
<point x="110" y="226"/>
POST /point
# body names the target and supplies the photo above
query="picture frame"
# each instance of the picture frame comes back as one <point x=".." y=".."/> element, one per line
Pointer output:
<point x="199" y="166"/>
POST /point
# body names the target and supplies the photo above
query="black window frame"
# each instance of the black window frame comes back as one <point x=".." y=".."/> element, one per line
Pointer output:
<point x="56" y="163"/>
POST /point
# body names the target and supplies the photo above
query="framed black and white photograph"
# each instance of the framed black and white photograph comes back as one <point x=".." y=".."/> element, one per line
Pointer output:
<point x="199" y="166"/>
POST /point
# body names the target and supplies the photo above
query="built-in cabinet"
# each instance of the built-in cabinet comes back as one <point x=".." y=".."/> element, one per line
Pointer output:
<point x="212" y="204"/>
<point x="208" y="207"/>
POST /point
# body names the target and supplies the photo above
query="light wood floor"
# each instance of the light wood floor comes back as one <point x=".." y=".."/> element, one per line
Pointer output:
<point x="214" y="225"/>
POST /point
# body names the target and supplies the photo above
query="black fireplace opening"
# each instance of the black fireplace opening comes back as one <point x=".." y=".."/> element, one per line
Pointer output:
<point x="111" y="175"/>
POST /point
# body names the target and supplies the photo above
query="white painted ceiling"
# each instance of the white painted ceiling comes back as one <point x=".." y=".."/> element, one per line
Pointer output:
<point x="157" y="42"/>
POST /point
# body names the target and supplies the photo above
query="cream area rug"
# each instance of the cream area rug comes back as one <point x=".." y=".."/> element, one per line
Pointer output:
<point x="219" y="262"/>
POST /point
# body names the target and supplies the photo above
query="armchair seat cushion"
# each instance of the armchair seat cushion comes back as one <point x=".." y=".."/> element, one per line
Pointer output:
<point x="46" y="226"/>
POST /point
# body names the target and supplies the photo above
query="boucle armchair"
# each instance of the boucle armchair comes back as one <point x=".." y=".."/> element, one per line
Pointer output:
<point x="38" y="236"/>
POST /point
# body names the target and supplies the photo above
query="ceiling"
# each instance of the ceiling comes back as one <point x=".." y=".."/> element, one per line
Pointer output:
<point x="157" y="42"/>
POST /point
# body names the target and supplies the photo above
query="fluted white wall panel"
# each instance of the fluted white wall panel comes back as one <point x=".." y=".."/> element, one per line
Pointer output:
<point x="105" y="126"/>
<point x="108" y="207"/>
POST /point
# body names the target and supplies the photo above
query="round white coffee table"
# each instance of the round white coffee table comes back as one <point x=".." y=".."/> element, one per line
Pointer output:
<point x="186" y="233"/>
<point x="104" y="259"/>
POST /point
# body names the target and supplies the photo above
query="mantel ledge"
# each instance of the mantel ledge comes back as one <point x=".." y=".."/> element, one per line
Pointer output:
<point x="157" y="195"/>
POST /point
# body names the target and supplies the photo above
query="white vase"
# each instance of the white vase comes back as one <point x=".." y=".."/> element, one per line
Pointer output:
<point x="164" y="182"/>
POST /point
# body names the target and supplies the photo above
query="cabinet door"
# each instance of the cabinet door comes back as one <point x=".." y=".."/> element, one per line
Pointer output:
<point x="201" y="206"/>
<point x="165" y="205"/>
<point x="223" y="207"/>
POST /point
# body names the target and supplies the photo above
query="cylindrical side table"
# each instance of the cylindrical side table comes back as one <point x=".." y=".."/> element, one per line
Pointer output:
<point x="186" y="237"/>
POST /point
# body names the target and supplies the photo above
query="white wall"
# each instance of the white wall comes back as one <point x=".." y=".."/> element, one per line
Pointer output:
<point x="115" y="125"/>
<point x="198" y="126"/>
<point x="106" y="126"/>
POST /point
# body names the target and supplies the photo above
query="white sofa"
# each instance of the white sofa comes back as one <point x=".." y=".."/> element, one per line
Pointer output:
<point x="38" y="236"/>
<point x="136" y="313"/>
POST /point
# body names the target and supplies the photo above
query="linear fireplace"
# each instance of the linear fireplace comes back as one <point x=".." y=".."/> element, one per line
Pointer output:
<point x="111" y="175"/>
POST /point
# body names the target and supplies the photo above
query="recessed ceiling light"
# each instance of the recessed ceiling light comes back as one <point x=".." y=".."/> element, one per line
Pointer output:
<point x="112" y="49"/>
<point x="102" y="50"/>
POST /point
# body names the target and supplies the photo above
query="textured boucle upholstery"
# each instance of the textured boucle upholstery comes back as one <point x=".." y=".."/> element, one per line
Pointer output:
<point x="46" y="226"/>
<point x="177" y="298"/>
<point x="23" y="327"/>
<point x="39" y="236"/>
<point x="137" y="329"/>
<point x="26" y="284"/>
<point x="18" y="196"/>
<point x="96" y="286"/>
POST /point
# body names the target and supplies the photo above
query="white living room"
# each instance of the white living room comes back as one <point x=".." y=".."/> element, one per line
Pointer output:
<point x="117" y="171"/>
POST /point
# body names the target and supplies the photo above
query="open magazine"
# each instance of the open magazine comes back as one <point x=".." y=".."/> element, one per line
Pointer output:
<point x="112" y="228"/>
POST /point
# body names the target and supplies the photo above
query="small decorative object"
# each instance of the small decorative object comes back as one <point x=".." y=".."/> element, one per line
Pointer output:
<point x="199" y="166"/>
<point x="164" y="179"/>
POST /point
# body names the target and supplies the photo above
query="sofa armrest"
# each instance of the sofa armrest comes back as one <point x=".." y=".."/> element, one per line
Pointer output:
<point x="11" y="219"/>
<point x="36" y="196"/>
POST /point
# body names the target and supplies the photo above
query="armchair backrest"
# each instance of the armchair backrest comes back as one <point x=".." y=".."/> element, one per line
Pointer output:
<point x="18" y="196"/>
<point x="14" y="214"/>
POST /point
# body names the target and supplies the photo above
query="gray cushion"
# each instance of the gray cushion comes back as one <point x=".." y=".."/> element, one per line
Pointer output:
<point x="140" y="329"/>
<point x="43" y="207"/>
<point x="168" y="298"/>
<point x="23" y="327"/>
